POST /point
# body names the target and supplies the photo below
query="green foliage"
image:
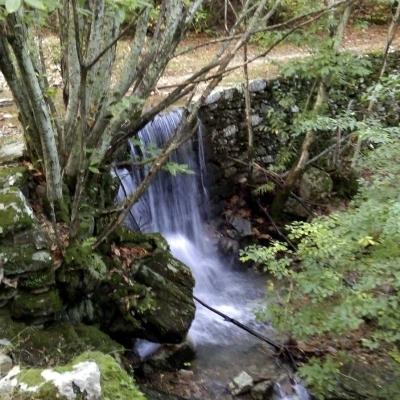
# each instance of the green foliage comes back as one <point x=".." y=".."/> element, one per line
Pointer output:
<point x="321" y="376"/>
<point x="340" y="68"/>
<point x="344" y="277"/>
<point x="175" y="168"/>
<point x="41" y="5"/>
<point x="82" y="254"/>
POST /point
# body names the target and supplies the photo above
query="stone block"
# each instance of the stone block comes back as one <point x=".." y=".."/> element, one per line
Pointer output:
<point x="15" y="212"/>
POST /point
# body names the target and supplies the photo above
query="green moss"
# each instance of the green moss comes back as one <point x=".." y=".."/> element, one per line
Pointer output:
<point x="29" y="305"/>
<point x="148" y="241"/>
<point x="21" y="259"/>
<point x="56" y="344"/>
<point x="15" y="213"/>
<point x="37" y="279"/>
<point x="13" y="175"/>
<point x="115" y="382"/>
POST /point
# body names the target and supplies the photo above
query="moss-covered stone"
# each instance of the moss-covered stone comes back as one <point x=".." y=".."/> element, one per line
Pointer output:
<point x="151" y="297"/>
<point x="316" y="185"/>
<point x="108" y="382"/>
<point x="15" y="212"/>
<point x="31" y="306"/>
<point x="13" y="176"/>
<point x="37" y="279"/>
<point x="18" y="260"/>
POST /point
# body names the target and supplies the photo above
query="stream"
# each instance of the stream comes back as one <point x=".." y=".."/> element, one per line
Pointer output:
<point x="177" y="207"/>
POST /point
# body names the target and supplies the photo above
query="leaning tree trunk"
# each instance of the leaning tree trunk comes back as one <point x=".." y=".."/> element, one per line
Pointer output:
<point x="34" y="108"/>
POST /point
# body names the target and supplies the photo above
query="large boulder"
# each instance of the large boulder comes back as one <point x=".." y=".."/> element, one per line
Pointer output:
<point x="134" y="288"/>
<point x="149" y="294"/>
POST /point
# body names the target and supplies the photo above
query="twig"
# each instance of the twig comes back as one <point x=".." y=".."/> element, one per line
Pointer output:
<point x="271" y="220"/>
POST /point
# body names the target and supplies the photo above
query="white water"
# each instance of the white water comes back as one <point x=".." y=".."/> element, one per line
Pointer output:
<point x="176" y="206"/>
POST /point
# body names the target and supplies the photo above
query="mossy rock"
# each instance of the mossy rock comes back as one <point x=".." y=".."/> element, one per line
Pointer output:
<point x="152" y="298"/>
<point x="18" y="260"/>
<point x="15" y="212"/>
<point x="37" y="279"/>
<point x="149" y="241"/>
<point x="55" y="344"/>
<point x="40" y="306"/>
<point x="13" y="176"/>
<point x="91" y="375"/>
<point x="315" y="185"/>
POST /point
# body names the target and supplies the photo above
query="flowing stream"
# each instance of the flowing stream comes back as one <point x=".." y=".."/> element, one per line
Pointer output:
<point x="177" y="207"/>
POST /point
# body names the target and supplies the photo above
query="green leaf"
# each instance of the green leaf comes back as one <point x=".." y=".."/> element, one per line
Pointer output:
<point x="94" y="170"/>
<point x="37" y="4"/>
<point x="13" y="5"/>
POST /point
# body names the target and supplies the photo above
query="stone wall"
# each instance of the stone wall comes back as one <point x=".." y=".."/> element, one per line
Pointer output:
<point x="223" y="118"/>
<point x="225" y="131"/>
<point x="27" y="281"/>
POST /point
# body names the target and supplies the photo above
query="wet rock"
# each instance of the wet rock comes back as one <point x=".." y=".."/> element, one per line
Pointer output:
<point x="241" y="384"/>
<point x="170" y="357"/>
<point x="262" y="390"/>
<point x="5" y="364"/>
<point x="241" y="225"/>
<point x="228" y="246"/>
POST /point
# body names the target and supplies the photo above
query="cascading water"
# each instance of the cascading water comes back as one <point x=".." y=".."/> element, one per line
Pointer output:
<point x="176" y="206"/>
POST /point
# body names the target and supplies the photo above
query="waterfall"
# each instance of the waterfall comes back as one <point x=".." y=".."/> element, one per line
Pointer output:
<point x="177" y="206"/>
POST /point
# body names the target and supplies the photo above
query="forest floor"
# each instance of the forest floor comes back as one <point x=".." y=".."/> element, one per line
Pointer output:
<point x="180" y="68"/>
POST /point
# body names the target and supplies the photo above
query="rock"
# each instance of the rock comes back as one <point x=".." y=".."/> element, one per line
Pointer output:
<point x="6" y="103"/>
<point x="33" y="307"/>
<point x="241" y="225"/>
<point x="257" y="85"/>
<point x="84" y="378"/>
<point x="228" y="246"/>
<point x="241" y="384"/>
<point x="295" y="208"/>
<point x="153" y="300"/>
<point x="170" y="357"/>
<point x="6" y="364"/>
<point x="92" y="376"/>
<point x="24" y="259"/>
<point x="14" y="175"/>
<point x="15" y="212"/>
<point x="185" y="375"/>
<point x="262" y="390"/>
<point x="315" y="185"/>
<point x="11" y="150"/>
